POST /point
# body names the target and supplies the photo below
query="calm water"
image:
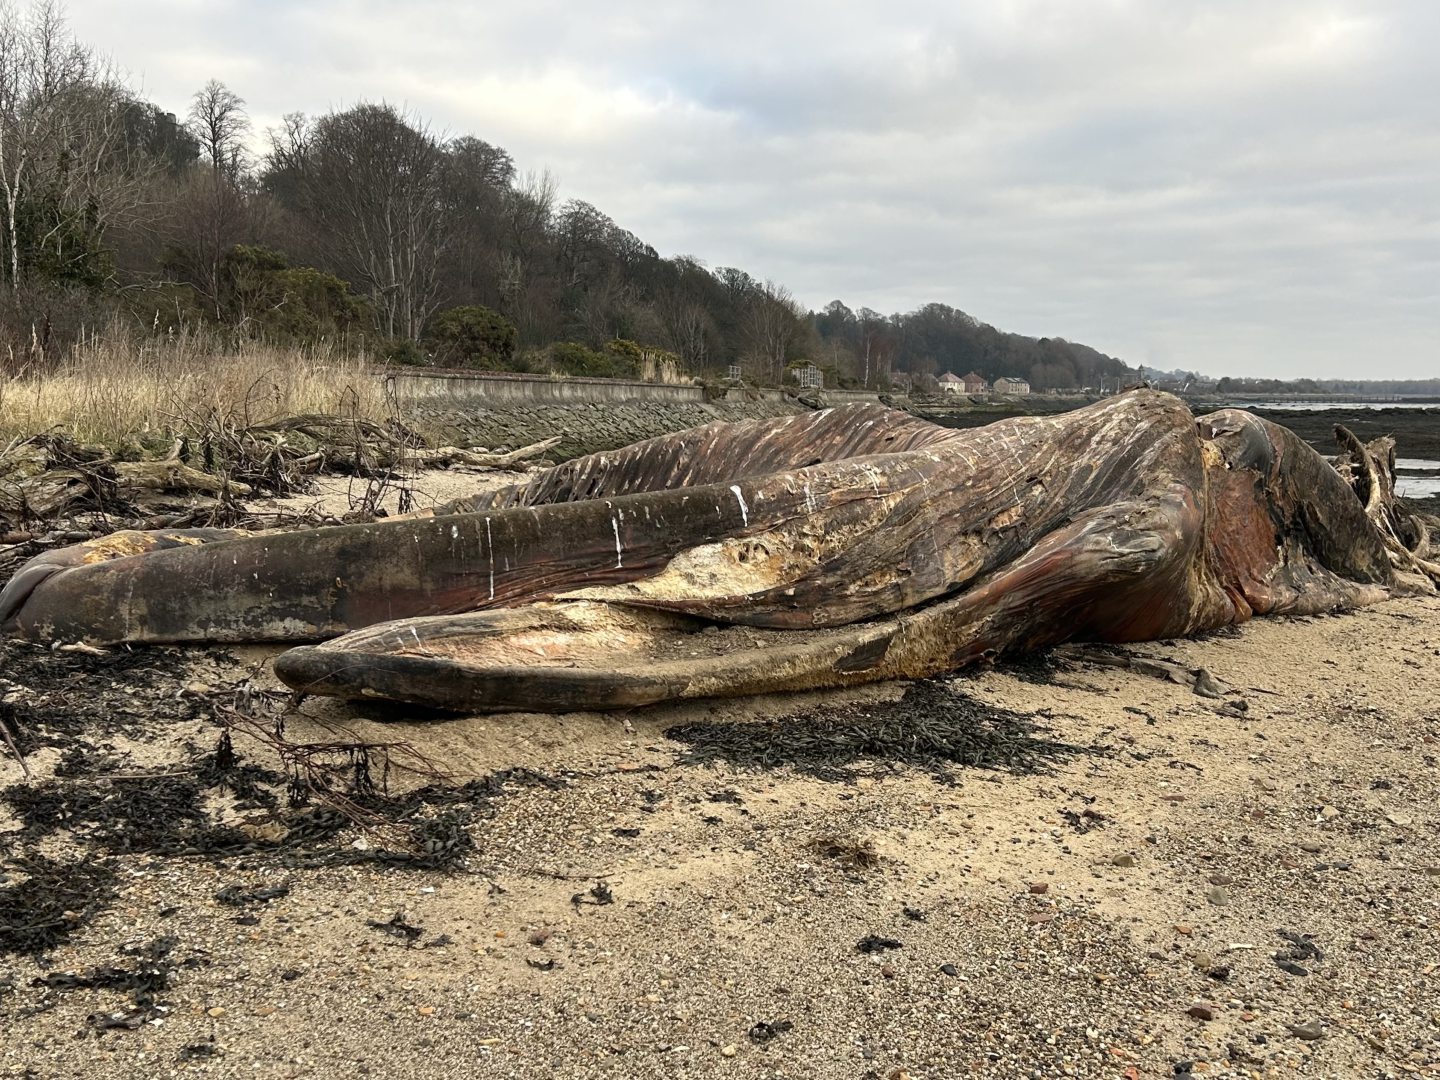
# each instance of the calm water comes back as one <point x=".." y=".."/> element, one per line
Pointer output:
<point x="1410" y="486"/>
<point x="1327" y="406"/>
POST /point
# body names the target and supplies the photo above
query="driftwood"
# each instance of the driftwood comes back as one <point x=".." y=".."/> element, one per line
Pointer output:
<point x="832" y="548"/>
<point x="1197" y="679"/>
<point x="447" y="457"/>
<point x="51" y="476"/>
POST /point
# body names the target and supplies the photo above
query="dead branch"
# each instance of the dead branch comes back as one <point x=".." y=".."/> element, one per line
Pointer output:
<point x="337" y="772"/>
<point x="447" y="456"/>
<point x="1198" y="680"/>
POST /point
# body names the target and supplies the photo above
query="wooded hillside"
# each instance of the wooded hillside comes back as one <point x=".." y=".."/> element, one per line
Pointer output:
<point x="367" y="227"/>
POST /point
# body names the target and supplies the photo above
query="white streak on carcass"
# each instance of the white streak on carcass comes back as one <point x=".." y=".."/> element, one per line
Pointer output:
<point x="739" y="498"/>
<point x="490" y="548"/>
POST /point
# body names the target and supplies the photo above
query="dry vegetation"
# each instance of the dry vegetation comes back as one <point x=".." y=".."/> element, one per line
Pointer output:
<point x="113" y="386"/>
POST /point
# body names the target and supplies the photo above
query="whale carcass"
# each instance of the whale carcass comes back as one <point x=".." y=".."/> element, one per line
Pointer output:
<point x="830" y="548"/>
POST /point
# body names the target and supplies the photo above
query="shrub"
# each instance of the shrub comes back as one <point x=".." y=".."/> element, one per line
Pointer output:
<point x="626" y="350"/>
<point x="572" y="358"/>
<point x="402" y="351"/>
<point x="472" y="336"/>
<point x="265" y="297"/>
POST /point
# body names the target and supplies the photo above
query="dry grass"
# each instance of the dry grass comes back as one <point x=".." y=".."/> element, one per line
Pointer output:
<point x="114" y="386"/>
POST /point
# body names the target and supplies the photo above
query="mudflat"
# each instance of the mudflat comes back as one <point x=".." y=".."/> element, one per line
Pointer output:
<point x="1416" y="431"/>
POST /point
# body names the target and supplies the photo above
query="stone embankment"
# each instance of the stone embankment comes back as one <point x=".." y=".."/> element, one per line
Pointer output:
<point x="505" y="411"/>
<point x="587" y="428"/>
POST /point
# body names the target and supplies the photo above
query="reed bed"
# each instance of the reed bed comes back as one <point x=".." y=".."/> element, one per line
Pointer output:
<point x="114" y="386"/>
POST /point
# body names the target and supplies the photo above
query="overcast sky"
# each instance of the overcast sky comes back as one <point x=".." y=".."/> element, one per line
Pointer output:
<point x="1239" y="187"/>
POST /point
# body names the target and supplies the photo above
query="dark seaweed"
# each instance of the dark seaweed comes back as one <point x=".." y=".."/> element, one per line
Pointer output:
<point x="934" y="726"/>
<point x="43" y="902"/>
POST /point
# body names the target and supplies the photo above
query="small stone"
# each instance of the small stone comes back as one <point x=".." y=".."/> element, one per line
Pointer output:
<point x="215" y="1013"/>
<point x="1432" y="871"/>
<point x="1399" y="819"/>
<point x="1123" y="860"/>
<point x="1313" y="847"/>
<point x="1329" y="813"/>
<point x="426" y="1010"/>
<point x="1218" y="896"/>
<point x="271" y="831"/>
<point x="1202" y="1010"/>
<point x="265" y="1010"/>
<point x="887" y="970"/>
<point x="729" y="1050"/>
<point x="1309" y="1032"/>
<point x="1039" y="888"/>
<point x="950" y="969"/>
<point x="1221" y="879"/>
<point x="1183" y="928"/>
<point x="1206" y="685"/>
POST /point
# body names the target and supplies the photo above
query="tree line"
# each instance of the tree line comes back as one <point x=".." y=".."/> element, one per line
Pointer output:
<point x="1380" y="388"/>
<point x="366" y="226"/>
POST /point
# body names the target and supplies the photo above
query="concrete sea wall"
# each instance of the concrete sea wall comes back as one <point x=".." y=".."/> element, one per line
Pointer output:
<point x="503" y="410"/>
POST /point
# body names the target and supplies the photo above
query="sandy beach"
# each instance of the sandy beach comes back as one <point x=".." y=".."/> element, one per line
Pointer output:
<point x="1156" y="884"/>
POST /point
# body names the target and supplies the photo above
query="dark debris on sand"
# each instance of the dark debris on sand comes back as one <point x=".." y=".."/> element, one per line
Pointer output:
<point x="934" y="726"/>
<point x="103" y="809"/>
<point x="43" y="901"/>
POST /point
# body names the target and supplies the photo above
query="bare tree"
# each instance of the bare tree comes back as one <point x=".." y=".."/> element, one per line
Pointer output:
<point x="219" y="121"/>
<point x="371" y="180"/>
<point x="874" y="345"/>
<point x="772" y="325"/>
<point x="687" y="327"/>
<point x="685" y="323"/>
<point x="210" y="211"/>
<point x="529" y="214"/>
<point x="67" y="172"/>
<point x="477" y="188"/>
<point x="207" y="217"/>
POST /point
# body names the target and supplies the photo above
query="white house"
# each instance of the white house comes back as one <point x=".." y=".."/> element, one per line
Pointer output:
<point x="951" y="383"/>
<point x="1017" y="387"/>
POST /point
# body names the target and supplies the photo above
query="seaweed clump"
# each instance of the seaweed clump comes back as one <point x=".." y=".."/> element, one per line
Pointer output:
<point x="933" y="727"/>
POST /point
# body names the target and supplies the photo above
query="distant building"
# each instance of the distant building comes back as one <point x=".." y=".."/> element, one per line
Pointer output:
<point x="951" y="382"/>
<point x="1004" y="385"/>
<point x="975" y="384"/>
<point x="732" y="374"/>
